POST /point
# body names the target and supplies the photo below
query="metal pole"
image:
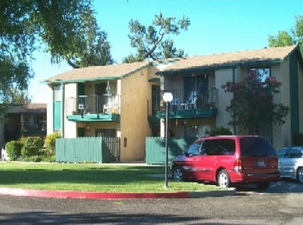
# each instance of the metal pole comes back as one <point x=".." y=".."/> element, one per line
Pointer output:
<point x="166" y="146"/>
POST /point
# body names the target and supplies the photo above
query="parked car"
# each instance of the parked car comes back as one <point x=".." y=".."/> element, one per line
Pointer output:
<point x="228" y="160"/>
<point x="291" y="162"/>
<point x="4" y="155"/>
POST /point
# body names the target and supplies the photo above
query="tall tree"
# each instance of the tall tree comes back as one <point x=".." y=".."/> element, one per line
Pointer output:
<point x="67" y="28"/>
<point x="252" y="107"/>
<point x="70" y="30"/>
<point x="286" y="38"/>
<point x="150" y="42"/>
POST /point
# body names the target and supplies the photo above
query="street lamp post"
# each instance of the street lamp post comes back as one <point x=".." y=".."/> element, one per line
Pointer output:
<point x="167" y="97"/>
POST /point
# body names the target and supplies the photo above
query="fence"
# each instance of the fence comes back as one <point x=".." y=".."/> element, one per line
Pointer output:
<point x="156" y="151"/>
<point x="88" y="149"/>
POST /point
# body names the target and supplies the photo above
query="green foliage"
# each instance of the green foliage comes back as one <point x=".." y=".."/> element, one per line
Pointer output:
<point x="149" y="41"/>
<point x="31" y="146"/>
<point x="71" y="32"/>
<point x="286" y="38"/>
<point x="252" y="107"/>
<point x="13" y="149"/>
<point x="220" y="131"/>
<point x="68" y="29"/>
<point x="50" y="143"/>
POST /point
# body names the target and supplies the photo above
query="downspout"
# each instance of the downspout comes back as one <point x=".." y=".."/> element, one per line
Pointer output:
<point x="234" y="79"/>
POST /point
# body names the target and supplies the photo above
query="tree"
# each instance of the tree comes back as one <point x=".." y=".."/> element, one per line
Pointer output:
<point x="67" y="28"/>
<point x="252" y="107"/>
<point x="286" y="38"/>
<point x="149" y="41"/>
<point x="16" y="96"/>
<point x="70" y="30"/>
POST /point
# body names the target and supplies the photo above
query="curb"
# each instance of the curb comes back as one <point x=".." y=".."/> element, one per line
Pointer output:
<point x="99" y="195"/>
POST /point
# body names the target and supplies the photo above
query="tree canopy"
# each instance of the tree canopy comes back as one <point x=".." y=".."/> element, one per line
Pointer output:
<point x="150" y="42"/>
<point x="252" y="107"/>
<point x="67" y="28"/>
<point x="292" y="37"/>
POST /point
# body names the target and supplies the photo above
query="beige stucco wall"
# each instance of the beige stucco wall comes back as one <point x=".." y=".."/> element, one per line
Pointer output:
<point x="135" y="101"/>
<point x="221" y="77"/>
<point x="282" y="134"/>
<point x="70" y="130"/>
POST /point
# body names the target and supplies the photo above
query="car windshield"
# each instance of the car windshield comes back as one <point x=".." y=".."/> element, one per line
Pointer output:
<point x="256" y="146"/>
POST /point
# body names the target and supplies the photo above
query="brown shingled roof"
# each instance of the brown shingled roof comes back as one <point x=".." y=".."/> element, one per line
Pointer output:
<point x="230" y="59"/>
<point x="99" y="72"/>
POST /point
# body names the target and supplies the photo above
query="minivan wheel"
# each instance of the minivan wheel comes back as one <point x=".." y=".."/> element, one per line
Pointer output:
<point x="223" y="179"/>
<point x="177" y="173"/>
<point x="300" y="174"/>
<point x="263" y="185"/>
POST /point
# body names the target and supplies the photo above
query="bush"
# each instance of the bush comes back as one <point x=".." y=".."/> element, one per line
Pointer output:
<point x="50" y="143"/>
<point x="13" y="149"/>
<point x="220" y="131"/>
<point x="31" y="146"/>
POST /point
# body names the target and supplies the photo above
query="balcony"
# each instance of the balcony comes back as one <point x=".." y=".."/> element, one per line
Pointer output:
<point x="201" y="105"/>
<point x="93" y="108"/>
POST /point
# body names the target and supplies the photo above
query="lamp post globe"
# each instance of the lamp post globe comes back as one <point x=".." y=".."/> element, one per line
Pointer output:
<point x="167" y="97"/>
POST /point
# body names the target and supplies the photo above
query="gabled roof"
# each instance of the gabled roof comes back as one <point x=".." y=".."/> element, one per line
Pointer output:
<point x="93" y="73"/>
<point x="231" y="60"/>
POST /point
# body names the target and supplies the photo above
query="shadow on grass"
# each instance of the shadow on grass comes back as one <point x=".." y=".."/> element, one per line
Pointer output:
<point x="89" y="175"/>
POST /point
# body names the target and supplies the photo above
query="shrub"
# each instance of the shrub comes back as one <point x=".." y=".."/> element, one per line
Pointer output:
<point x="31" y="146"/>
<point x="50" y="143"/>
<point x="220" y="131"/>
<point x="13" y="149"/>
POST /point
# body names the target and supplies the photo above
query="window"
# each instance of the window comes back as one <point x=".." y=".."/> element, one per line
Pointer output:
<point x="194" y="149"/>
<point x="256" y="147"/>
<point x="260" y="73"/>
<point x="219" y="147"/>
<point x="57" y="93"/>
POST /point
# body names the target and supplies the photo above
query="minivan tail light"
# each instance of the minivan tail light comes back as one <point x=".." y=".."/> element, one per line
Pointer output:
<point x="238" y="165"/>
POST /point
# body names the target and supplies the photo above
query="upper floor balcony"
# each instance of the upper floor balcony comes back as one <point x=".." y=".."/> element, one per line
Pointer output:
<point x="90" y="108"/>
<point x="192" y="104"/>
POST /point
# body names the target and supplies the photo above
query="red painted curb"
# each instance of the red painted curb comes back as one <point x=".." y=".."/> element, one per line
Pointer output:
<point x="88" y="195"/>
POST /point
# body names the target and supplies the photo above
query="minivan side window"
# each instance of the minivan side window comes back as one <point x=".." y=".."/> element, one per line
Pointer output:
<point x="219" y="147"/>
<point x="194" y="149"/>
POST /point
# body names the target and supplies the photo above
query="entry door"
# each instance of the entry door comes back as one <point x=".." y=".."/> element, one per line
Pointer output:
<point x="81" y="132"/>
<point x="100" y="90"/>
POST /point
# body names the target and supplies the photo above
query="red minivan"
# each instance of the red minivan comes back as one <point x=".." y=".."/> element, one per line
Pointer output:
<point x="228" y="160"/>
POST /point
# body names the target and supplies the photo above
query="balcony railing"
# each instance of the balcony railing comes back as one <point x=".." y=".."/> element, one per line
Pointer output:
<point x="93" y="104"/>
<point x="207" y="100"/>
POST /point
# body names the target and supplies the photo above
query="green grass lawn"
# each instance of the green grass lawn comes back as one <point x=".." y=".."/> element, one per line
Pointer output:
<point x="91" y="177"/>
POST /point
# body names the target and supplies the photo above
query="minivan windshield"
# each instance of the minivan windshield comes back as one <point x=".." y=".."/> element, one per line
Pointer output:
<point x="256" y="146"/>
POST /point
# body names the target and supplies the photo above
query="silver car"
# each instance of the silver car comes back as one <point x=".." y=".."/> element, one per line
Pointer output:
<point x="291" y="162"/>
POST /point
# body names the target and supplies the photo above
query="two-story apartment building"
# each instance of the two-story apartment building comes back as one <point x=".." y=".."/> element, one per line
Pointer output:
<point x="195" y="83"/>
<point x="107" y="101"/>
<point x="125" y="100"/>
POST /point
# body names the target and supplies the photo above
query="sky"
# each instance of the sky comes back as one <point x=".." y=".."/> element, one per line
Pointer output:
<point x="217" y="26"/>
